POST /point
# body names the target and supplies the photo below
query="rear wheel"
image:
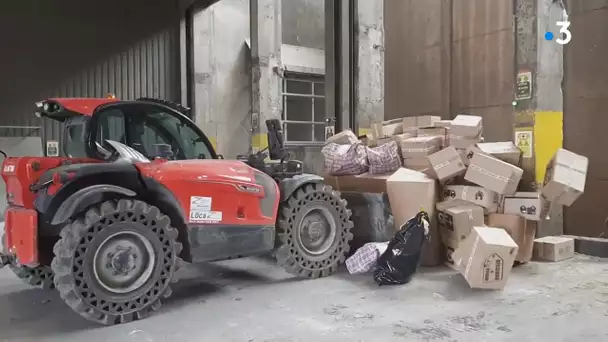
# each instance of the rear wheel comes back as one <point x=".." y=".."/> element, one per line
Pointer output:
<point x="41" y="276"/>
<point x="315" y="232"/>
<point x="114" y="264"/>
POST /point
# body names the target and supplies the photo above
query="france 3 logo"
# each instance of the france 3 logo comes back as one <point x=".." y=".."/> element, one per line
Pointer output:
<point x="564" y="37"/>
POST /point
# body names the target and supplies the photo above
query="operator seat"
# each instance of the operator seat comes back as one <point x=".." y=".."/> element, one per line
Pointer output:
<point x="276" y="146"/>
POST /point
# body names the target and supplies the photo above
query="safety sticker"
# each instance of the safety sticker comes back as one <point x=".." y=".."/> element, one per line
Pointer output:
<point x="205" y="216"/>
<point x="199" y="203"/>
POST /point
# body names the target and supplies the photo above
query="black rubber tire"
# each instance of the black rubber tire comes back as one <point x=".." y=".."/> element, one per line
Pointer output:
<point x="73" y="263"/>
<point x="290" y="254"/>
<point x="41" y="276"/>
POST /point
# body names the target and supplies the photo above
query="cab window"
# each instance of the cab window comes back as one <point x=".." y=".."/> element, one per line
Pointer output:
<point x="164" y="127"/>
<point x="144" y="127"/>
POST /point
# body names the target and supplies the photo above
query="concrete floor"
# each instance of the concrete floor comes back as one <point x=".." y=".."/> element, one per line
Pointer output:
<point x="253" y="300"/>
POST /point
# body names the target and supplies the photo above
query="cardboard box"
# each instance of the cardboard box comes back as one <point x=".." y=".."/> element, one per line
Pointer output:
<point x="461" y="142"/>
<point x="409" y="192"/>
<point x="359" y="183"/>
<point x="417" y="164"/>
<point x="420" y="121"/>
<point x="505" y="151"/>
<point x="445" y="205"/>
<point x="521" y="230"/>
<point x="526" y="204"/>
<point x="420" y="147"/>
<point x="494" y="174"/>
<point x="553" y="248"/>
<point x="440" y="132"/>
<point x="455" y="223"/>
<point x="447" y="163"/>
<point x="466" y="126"/>
<point x="486" y="257"/>
<point x="472" y="194"/>
<point x="443" y="123"/>
<point x="565" y="177"/>
<point x="450" y="247"/>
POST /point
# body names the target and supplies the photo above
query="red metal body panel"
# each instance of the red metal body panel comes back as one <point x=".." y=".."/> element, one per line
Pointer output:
<point x="23" y="242"/>
<point x="19" y="173"/>
<point x="84" y="106"/>
<point x="229" y="184"/>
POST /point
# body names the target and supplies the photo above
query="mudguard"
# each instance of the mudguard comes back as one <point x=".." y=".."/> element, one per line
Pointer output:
<point x="289" y="185"/>
<point x="85" y="197"/>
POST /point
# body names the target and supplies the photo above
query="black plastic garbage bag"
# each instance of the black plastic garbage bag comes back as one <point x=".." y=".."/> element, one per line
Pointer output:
<point x="402" y="257"/>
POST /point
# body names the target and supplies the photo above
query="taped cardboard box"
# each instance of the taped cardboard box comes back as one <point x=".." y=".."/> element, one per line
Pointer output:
<point x="526" y="204"/>
<point x="472" y="194"/>
<point x="420" y="147"/>
<point x="409" y="192"/>
<point x="521" y="230"/>
<point x="553" y="248"/>
<point x="440" y="132"/>
<point x="505" y="151"/>
<point x="456" y="223"/>
<point x="494" y="174"/>
<point x="565" y="177"/>
<point x="417" y="163"/>
<point x="447" y="163"/>
<point x="359" y="183"/>
<point x="485" y="258"/>
<point x="466" y="126"/>
<point x="461" y="142"/>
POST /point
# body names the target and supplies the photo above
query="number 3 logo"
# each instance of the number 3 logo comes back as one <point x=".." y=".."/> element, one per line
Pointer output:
<point x="563" y="28"/>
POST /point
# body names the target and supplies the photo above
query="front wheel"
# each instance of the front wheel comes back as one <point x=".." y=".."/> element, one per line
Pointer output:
<point x="315" y="231"/>
<point x="114" y="264"/>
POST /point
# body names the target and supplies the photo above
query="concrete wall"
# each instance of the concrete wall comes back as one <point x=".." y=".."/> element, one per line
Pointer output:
<point x="303" y="23"/>
<point x="370" y="68"/>
<point x="222" y="79"/>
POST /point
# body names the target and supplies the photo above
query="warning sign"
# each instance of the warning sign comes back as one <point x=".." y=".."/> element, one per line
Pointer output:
<point x="524" y="86"/>
<point x="523" y="140"/>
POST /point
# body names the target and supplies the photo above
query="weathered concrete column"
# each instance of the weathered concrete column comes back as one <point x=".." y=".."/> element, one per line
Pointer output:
<point x="266" y="100"/>
<point x="538" y="99"/>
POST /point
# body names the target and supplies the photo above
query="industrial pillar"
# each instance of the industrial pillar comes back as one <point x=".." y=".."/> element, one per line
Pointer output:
<point x="266" y="100"/>
<point x="538" y="95"/>
<point x="340" y="63"/>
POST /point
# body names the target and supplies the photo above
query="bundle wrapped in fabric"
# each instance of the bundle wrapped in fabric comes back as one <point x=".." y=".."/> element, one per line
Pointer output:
<point x="384" y="158"/>
<point x="343" y="160"/>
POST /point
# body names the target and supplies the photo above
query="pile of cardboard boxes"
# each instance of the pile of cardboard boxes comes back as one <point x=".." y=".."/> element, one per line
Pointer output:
<point x="483" y="224"/>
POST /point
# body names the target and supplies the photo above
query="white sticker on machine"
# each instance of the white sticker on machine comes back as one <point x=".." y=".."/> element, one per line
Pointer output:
<point x="199" y="203"/>
<point x="205" y="216"/>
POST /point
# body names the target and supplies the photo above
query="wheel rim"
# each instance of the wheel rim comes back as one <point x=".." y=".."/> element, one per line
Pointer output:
<point x="317" y="231"/>
<point x="124" y="262"/>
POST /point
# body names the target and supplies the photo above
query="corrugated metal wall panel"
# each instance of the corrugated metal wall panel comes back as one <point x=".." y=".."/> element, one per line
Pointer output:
<point x="85" y="49"/>
<point x="149" y="69"/>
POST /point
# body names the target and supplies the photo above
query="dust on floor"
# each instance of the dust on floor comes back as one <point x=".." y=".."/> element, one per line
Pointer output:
<point x="254" y="300"/>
